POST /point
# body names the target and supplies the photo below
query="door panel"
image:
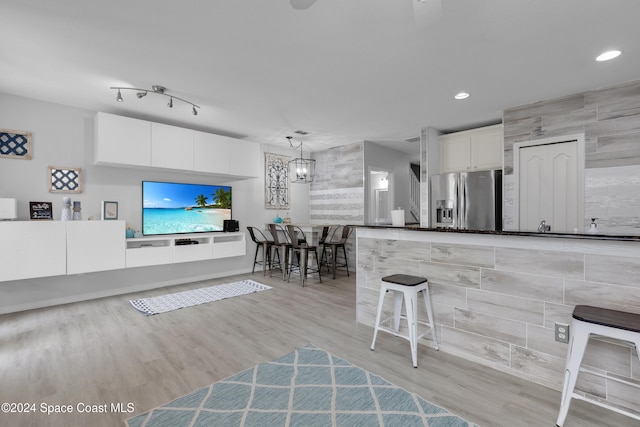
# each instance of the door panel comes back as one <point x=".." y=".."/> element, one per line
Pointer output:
<point x="548" y="181"/>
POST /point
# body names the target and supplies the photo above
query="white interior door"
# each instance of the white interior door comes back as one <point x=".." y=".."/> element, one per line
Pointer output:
<point x="549" y="187"/>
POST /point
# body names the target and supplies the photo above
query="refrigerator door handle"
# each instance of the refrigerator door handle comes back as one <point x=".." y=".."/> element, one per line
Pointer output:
<point x="462" y="202"/>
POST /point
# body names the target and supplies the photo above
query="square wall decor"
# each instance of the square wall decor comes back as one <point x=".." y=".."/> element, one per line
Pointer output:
<point x="65" y="180"/>
<point x="15" y="144"/>
<point x="276" y="169"/>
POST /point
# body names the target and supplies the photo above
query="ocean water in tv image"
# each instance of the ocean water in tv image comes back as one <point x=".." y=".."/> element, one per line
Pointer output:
<point x="177" y="208"/>
<point x="181" y="220"/>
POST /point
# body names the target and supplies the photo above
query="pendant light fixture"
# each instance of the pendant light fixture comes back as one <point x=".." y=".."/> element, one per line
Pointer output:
<point x="158" y="90"/>
<point x="301" y="170"/>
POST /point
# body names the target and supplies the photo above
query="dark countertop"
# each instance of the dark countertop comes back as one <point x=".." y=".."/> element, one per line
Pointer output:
<point x="416" y="227"/>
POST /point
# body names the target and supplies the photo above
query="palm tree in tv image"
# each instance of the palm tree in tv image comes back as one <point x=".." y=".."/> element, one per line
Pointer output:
<point x="222" y="198"/>
<point x="201" y="200"/>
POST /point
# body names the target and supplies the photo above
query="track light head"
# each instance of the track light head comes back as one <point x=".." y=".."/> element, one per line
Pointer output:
<point x="158" y="90"/>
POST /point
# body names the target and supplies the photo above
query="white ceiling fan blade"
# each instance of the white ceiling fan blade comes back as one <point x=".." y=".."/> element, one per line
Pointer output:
<point x="426" y="12"/>
<point x="301" y="4"/>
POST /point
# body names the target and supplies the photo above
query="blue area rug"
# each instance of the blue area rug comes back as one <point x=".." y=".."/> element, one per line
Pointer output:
<point x="309" y="387"/>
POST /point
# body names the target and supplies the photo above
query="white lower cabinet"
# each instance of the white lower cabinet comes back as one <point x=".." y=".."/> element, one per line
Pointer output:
<point x="31" y="249"/>
<point x="95" y="246"/>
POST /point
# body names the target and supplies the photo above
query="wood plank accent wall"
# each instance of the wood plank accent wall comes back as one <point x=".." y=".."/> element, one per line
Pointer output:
<point x="496" y="299"/>
<point x="336" y="195"/>
<point x="610" y="120"/>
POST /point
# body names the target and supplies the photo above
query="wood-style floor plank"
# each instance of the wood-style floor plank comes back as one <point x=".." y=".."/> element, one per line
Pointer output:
<point x="103" y="351"/>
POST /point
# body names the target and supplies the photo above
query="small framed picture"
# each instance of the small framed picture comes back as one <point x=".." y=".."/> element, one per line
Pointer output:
<point x="40" y="210"/>
<point x="109" y="210"/>
<point x="65" y="180"/>
<point x="15" y="144"/>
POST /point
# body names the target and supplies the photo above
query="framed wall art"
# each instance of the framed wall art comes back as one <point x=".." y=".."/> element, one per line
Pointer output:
<point x="40" y="210"/>
<point x="109" y="210"/>
<point x="276" y="169"/>
<point x="15" y="144"/>
<point x="65" y="180"/>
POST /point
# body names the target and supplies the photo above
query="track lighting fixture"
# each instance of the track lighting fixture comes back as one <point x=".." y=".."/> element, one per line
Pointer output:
<point x="158" y="90"/>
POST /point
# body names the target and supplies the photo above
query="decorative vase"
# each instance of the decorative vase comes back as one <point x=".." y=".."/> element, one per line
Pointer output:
<point x="65" y="215"/>
<point x="77" y="211"/>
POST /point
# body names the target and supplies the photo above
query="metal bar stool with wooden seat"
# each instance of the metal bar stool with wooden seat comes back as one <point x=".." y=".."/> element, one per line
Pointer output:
<point x="281" y="248"/>
<point x="333" y="245"/>
<point x="302" y="252"/>
<point x="262" y="242"/>
<point x="590" y="321"/>
<point x="405" y="287"/>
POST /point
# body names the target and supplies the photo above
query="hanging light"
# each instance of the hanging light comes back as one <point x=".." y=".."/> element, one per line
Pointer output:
<point x="301" y="170"/>
<point x="158" y="90"/>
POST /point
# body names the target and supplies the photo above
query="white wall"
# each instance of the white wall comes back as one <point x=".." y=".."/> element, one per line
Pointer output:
<point x="63" y="137"/>
<point x="379" y="158"/>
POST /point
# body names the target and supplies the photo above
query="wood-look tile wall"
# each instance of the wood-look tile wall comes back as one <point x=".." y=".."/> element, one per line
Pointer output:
<point x="336" y="195"/>
<point x="610" y="120"/>
<point x="496" y="300"/>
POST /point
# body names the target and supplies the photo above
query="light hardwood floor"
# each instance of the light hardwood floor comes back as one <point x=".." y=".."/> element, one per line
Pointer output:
<point x="103" y="351"/>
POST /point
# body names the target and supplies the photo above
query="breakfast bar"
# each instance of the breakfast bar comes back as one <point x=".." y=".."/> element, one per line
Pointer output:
<point x="498" y="296"/>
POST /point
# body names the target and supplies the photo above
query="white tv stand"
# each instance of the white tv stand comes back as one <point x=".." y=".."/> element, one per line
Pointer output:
<point x="33" y="249"/>
<point x="158" y="250"/>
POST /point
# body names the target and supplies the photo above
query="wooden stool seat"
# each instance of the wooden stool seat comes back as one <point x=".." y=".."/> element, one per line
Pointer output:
<point x="587" y="321"/>
<point x="405" y="287"/>
<point x="606" y="317"/>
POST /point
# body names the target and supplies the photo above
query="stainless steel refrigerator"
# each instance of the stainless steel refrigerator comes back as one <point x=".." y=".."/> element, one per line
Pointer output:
<point x="467" y="200"/>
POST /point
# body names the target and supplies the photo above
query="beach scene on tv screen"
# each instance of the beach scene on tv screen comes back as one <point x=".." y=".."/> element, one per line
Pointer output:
<point x="174" y="208"/>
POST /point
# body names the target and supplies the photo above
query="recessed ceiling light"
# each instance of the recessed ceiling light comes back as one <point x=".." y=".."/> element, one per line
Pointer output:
<point x="610" y="54"/>
<point x="461" y="95"/>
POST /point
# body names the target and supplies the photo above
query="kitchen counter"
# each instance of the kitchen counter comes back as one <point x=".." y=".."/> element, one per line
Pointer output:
<point x="416" y="227"/>
<point x="497" y="296"/>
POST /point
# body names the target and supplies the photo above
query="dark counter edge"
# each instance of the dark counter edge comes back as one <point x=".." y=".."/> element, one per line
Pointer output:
<point x="507" y="233"/>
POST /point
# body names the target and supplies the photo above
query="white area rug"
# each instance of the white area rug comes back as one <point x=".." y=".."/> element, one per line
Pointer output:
<point x="169" y="302"/>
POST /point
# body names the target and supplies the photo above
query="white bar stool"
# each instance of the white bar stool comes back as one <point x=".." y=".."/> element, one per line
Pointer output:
<point x="598" y="321"/>
<point x="407" y="287"/>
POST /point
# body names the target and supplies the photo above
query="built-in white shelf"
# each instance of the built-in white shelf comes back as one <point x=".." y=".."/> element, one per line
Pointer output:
<point x="32" y="249"/>
<point x="145" y="251"/>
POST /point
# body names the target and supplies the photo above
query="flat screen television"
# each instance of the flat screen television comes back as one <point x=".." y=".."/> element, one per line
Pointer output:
<point x="177" y="208"/>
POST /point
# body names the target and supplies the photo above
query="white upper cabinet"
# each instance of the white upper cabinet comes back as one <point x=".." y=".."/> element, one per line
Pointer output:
<point x="475" y="149"/>
<point x="122" y="141"/>
<point x="455" y="153"/>
<point x="171" y="147"/>
<point x="211" y="153"/>
<point x="245" y="159"/>
<point x="226" y="156"/>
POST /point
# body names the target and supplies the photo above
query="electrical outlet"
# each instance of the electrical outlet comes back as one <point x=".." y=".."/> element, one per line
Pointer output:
<point x="562" y="332"/>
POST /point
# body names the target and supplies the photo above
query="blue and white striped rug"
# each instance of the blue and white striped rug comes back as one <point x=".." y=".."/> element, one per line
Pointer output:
<point x="169" y="302"/>
<point x="309" y="387"/>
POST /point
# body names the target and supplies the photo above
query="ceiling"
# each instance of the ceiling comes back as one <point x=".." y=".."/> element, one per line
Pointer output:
<point x="343" y="71"/>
